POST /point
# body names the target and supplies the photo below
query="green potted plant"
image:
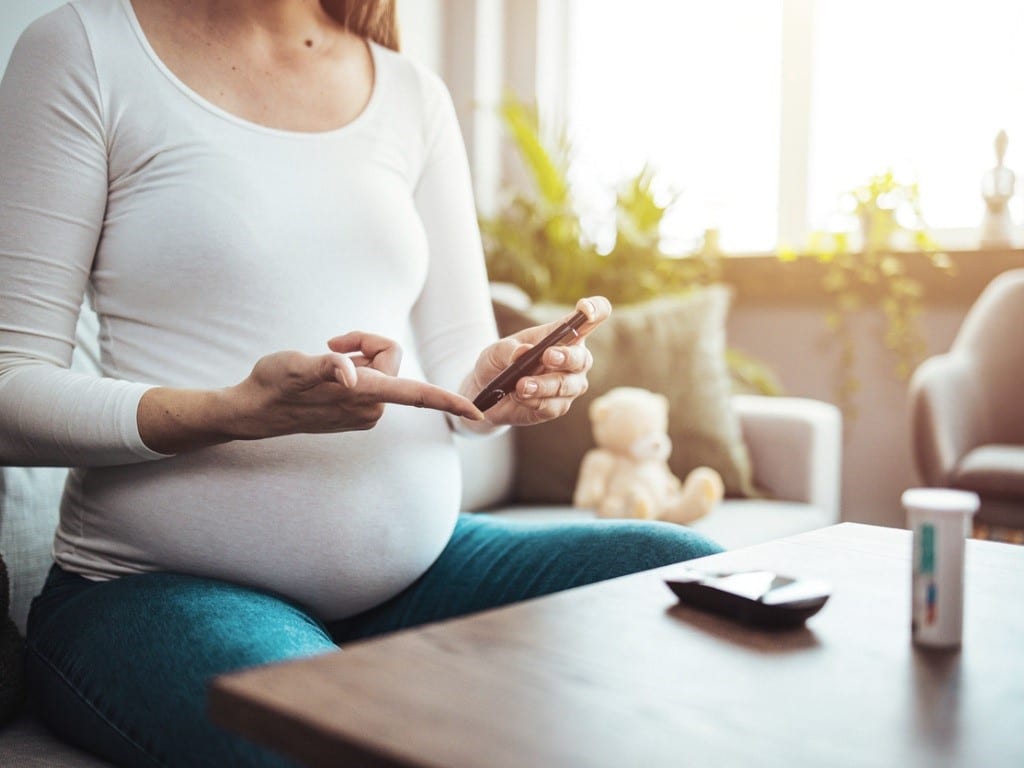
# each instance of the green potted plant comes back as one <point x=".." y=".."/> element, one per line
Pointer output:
<point x="537" y="243"/>
<point x="872" y="273"/>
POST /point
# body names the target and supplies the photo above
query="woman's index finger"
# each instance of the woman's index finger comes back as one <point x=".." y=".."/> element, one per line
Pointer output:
<point x="419" y="394"/>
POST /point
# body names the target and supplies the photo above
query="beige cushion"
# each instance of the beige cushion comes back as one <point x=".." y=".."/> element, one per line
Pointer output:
<point x="672" y="345"/>
<point x="996" y="470"/>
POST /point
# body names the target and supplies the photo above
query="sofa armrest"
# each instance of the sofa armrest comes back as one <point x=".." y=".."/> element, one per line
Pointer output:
<point x="795" y="447"/>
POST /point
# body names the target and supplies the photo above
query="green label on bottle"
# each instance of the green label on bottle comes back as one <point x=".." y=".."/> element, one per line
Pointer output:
<point x="927" y="564"/>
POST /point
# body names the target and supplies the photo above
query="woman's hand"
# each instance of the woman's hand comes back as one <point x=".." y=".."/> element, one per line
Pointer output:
<point x="548" y="393"/>
<point x="343" y="390"/>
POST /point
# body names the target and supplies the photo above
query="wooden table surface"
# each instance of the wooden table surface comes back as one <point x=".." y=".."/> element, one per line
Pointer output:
<point x="617" y="674"/>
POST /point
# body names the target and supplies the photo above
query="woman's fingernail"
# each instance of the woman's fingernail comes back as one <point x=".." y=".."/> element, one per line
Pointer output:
<point x="556" y="356"/>
<point x="346" y="372"/>
<point x="589" y="309"/>
<point x="530" y="387"/>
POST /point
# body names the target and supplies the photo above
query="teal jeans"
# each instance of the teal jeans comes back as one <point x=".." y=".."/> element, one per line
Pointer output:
<point x="120" y="668"/>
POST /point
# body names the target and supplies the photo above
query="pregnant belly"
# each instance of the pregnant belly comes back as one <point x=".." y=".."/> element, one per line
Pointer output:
<point x="339" y="523"/>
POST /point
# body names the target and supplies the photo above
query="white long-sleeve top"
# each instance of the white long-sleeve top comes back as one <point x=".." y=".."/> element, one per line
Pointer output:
<point x="204" y="242"/>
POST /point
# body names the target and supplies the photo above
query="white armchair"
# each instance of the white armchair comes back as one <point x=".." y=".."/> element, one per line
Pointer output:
<point x="967" y="407"/>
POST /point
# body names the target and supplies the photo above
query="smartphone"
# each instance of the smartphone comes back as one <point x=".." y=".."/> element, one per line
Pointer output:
<point x="527" y="363"/>
<point x="761" y="598"/>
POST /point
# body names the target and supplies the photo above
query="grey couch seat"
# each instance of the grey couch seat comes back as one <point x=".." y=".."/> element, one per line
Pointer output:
<point x="27" y="744"/>
<point x="740" y="523"/>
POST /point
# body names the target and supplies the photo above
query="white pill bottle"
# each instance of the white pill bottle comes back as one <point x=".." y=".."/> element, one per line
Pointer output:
<point x="940" y="519"/>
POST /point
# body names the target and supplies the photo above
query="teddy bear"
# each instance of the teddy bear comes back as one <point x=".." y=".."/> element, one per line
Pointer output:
<point x="627" y="475"/>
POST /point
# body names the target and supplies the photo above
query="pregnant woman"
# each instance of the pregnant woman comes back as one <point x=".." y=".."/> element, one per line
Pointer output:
<point x="269" y="209"/>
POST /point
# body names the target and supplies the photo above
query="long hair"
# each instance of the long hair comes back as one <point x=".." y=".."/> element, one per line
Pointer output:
<point x="375" y="20"/>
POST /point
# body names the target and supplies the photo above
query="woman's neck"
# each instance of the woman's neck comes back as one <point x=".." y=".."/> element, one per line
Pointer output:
<point x="281" y="22"/>
<point x="268" y="62"/>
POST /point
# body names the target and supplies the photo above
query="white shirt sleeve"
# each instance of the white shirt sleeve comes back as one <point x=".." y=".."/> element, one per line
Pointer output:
<point x="53" y="191"/>
<point x="453" y="318"/>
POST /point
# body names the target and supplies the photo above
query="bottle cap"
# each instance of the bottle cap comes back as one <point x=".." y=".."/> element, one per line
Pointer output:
<point x="941" y="501"/>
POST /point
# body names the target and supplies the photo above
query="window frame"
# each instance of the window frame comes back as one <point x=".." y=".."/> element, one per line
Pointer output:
<point x="540" y="64"/>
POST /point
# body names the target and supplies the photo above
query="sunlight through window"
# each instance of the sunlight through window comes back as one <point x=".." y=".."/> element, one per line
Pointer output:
<point x="922" y="86"/>
<point x="693" y="90"/>
<point x="697" y="90"/>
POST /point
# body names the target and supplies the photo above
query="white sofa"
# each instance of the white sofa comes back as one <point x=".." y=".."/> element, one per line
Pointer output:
<point x="795" y="449"/>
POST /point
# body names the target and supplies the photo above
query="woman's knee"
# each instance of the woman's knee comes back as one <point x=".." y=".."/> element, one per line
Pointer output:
<point x="606" y="549"/>
<point x="652" y="544"/>
<point x="541" y="557"/>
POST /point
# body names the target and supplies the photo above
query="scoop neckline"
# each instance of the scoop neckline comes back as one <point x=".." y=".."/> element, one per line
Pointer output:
<point x="231" y="117"/>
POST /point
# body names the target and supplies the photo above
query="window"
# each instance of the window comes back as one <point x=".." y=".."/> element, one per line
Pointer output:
<point x="762" y="112"/>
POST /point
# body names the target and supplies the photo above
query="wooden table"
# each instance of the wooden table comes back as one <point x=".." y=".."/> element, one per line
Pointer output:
<point x="617" y="674"/>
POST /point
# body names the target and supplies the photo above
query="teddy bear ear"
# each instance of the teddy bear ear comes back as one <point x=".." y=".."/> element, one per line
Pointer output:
<point x="599" y="409"/>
